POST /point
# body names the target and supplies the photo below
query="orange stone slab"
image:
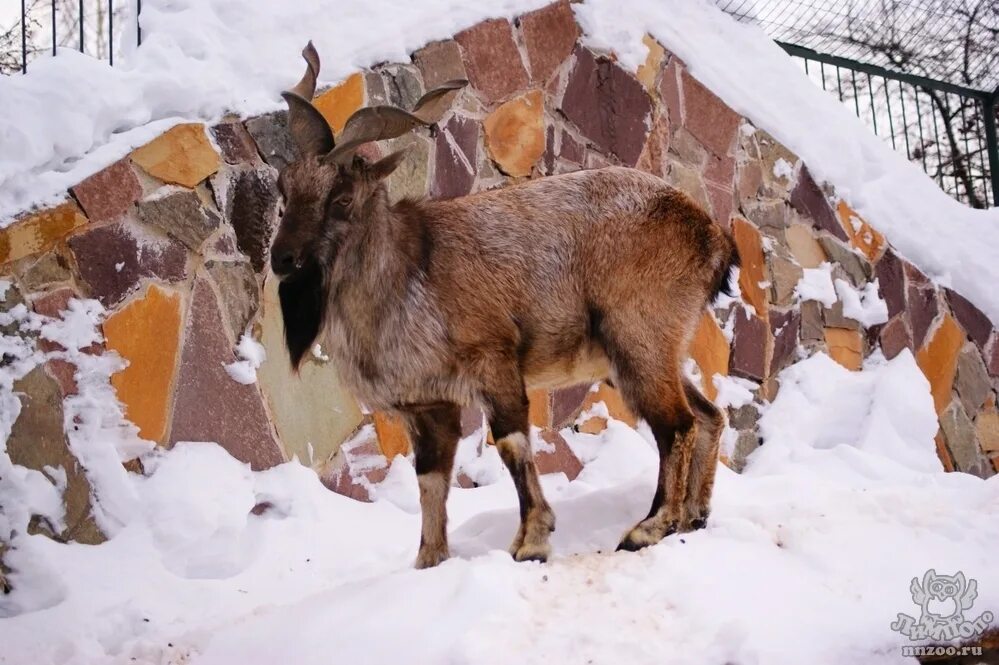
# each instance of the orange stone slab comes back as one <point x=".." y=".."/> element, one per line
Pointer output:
<point x="862" y="235"/>
<point x="515" y="133"/>
<point x="39" y="232"/>
<point x="539" y="407"/>
<point x="938" y="360"/>
<point x="594" y="425"/>
<point x="946" y="459"/>
<point x="845" y="347"/>
<point x="146" y="333"/>
<point x="393" y="439"/>
<point x="339" y="102"/>
<point x="614" y="402"/>
<point x="752" y="272"/>
<point x="710" y="351"/>
<point x="182" y="155"/>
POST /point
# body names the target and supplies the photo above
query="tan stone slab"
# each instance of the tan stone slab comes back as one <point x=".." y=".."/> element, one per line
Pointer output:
<point x="37" y="441"/>
<point x="146" y="333"/>
<point x="805" y="249"/>
<point x="938" y="360"/>
<point x="339" y="102"/>
<point x="710" y="351"/>
<point x="845" y="347"/>
<point x="515" y="133"/>
<point x="39" y="232"/>
<point x="648" y="71"/>
<point x="752" y="272"/>
<point x="987" y="430"/>
<point x="311" y="407"/>
<point x="182" y="155"/>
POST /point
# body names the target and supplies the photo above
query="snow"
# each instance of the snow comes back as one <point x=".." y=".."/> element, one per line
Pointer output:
<point x="866" y="305"/>
<point x="252" y="355"/>
<point x="817" y="284"/>
<point x="739" y="63"/>
<point x="843" y="504"/>
<point x="72" y="115"/>
<point x="733" y="391"/>
<point x="783" y="169"/>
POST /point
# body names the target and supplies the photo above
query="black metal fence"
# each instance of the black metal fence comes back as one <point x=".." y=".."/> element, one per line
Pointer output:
<point x="94" y="27"/>
<point x="950" y="130"/>
<point x="923" y="74"/>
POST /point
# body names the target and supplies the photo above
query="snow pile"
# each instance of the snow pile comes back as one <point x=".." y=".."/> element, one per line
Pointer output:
<point x="817" y="284"/>
<point x="866" y="305"/>
<point x="252" y="355"/>
<point x="73" y="115"/>
<point x="212" y="563"/>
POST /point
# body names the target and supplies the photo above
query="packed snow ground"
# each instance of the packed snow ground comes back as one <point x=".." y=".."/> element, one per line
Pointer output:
<point x="807" y="557"/>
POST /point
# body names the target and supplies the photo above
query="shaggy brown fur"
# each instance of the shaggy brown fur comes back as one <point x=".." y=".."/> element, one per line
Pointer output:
<point x="429" y="305"/>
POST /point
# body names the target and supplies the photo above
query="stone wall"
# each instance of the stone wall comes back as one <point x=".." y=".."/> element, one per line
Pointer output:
<point x="173" y="239"/>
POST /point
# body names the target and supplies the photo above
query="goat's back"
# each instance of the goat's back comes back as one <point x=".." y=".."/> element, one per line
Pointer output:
<point x="535" y="267"/>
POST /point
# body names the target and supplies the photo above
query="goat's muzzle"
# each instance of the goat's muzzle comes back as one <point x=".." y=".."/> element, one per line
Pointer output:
<point x="285" y="262"/>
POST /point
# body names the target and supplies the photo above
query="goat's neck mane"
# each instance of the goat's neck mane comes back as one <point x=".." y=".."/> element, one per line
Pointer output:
<point x="388" y="252"/>
<point x="304" y="301"/>
<point x="371" y="274"/>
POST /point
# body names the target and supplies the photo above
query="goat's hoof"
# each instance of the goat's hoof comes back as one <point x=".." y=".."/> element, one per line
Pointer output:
<point x="697" y="520"/>
<point x="531" y="552"/>
<point x="644" y="535"/>
<point x="428" y="558"/>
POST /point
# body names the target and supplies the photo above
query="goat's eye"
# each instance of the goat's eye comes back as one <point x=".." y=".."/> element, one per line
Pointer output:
<point x="345" y="199"/>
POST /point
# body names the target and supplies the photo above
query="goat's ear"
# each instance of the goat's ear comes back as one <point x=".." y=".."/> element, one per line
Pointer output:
<point x="309" y="130"/>
<point x="303" y="309"/>
<point x="384" y="167"/>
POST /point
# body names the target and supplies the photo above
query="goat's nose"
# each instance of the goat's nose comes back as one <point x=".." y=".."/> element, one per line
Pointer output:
<point x="283" y="262"/>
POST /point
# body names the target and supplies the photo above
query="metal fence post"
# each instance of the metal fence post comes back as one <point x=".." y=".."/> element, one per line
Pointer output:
<point x="990" y="103"/>
<point x="24" y="38"/>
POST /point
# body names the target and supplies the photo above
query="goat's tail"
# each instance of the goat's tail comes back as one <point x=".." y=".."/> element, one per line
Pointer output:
<point x="725" y="267"/>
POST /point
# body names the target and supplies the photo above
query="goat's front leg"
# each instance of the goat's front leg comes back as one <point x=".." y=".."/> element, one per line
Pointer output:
<point x="435" y="432"/>
<point x="507" y="410"/>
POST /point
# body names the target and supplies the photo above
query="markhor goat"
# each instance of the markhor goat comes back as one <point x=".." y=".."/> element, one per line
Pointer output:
<point x="431" y="305"/>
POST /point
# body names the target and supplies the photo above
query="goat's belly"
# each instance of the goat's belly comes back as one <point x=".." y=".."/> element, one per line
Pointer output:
<point x="586" y="366"/>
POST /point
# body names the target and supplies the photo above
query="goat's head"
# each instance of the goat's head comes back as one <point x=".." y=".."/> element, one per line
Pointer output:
<point x="328" y="190"/>
<point x="329" y="186"/>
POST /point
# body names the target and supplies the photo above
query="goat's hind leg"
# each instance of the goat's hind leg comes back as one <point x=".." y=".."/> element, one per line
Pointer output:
<point x="703" y="461"/>
<point x="435" y="432"/>
<point x="658" y="397"/>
